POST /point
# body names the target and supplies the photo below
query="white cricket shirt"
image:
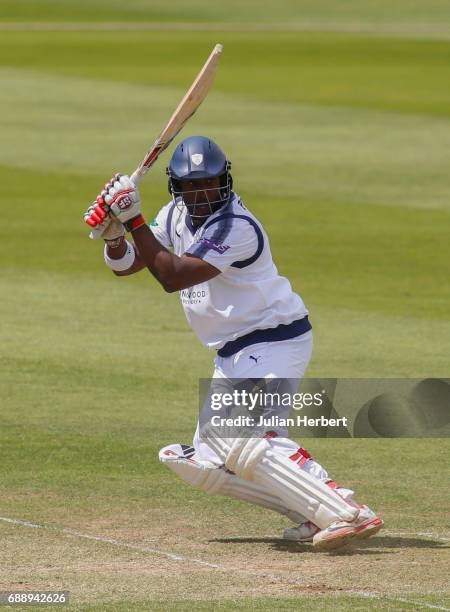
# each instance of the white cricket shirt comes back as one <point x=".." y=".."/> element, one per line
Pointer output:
<point x="249" y="294"/>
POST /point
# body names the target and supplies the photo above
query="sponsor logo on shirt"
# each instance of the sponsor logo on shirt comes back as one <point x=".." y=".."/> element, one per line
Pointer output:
<point x="220" y="248"/>
<point x="191" y="296"/>
<point x="154" y="223"/>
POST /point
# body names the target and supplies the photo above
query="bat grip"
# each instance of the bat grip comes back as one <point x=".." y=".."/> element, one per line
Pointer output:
<point x="136" y="178"/>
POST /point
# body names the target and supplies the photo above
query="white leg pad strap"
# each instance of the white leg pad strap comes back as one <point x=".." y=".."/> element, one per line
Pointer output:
<point x="216" y="480"/>
<point x="254" y="458"/>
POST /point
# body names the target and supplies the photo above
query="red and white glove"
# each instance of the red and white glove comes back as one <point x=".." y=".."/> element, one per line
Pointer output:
<point x="102" y="223"/>
<point x="120" y="198"/>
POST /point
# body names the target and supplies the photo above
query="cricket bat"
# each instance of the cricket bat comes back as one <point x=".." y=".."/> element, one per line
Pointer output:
<point x="184" y="111"/>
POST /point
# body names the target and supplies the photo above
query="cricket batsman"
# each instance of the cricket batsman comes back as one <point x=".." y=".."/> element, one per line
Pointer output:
<point x="209" y="247"/>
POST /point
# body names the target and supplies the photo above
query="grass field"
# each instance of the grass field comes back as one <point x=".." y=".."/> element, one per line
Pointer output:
<point x="340" y="143"/>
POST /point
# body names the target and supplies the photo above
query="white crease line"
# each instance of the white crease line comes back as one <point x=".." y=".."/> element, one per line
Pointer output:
<point x="86" y="536"/>
<point x="147" y="549"/>
<point x="18" y="522"/>
<point x="212" y="565"/>
<point x="424" y="534"/>
<point x="154" y="551"/>
<point x="399" y="599"/>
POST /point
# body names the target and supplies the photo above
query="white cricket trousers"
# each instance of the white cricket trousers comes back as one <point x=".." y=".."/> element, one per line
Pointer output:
<point x="284" y="359"/>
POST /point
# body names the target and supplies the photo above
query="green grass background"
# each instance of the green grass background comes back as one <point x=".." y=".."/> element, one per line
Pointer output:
<point x="397" y="12"/>
<point x="340" y="143"/>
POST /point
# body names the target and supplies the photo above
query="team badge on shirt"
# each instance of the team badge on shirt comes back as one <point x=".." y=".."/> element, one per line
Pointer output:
<point x="220" y="248"/>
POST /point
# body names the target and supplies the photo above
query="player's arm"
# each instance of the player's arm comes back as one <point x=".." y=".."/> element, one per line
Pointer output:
<point x="173" y="272"/>
<point x="116" y="250"/>
<point x="120" y="202"/>
<point x="112" y="231"/>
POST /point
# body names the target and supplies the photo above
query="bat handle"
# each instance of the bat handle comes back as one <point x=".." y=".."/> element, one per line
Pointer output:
<point x="136" y="178"/>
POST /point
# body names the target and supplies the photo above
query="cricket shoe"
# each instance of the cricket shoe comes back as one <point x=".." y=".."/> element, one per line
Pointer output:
<point x="339" y="533"/>
<point x="370" y="523"/>
<point x="303" y="533"/>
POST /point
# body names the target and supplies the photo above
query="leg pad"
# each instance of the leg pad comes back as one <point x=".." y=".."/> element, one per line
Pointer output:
<point x="254" y="459"/>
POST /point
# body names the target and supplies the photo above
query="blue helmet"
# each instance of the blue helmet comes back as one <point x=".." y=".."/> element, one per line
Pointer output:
<point x="199" y="158"/>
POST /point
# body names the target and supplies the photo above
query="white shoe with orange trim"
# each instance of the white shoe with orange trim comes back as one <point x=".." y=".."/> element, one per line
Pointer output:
<point x="339" y="533"/>
<point x="369" y="523"/>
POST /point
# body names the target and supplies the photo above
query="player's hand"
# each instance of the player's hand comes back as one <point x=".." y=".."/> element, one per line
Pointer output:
<point x="122" y="198"/>
<point x="103" y="225"/>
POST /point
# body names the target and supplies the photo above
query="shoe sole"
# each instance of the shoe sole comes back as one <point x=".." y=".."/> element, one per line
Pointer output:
<point x="369" y="529"/>
<point x="336" y="540"/>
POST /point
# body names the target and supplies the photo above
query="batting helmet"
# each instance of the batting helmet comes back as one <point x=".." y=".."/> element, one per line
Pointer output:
<point x="199" y="158"/>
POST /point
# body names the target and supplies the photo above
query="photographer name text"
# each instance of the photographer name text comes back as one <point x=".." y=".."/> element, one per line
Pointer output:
<point x="274" y="421"/>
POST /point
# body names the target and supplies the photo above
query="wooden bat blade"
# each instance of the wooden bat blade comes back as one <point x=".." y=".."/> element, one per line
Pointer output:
<point x="185" y="109"/>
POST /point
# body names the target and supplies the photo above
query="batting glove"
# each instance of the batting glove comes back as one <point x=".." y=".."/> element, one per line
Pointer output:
<point x="122" y="197"/>
<point x="102" y="223"/>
